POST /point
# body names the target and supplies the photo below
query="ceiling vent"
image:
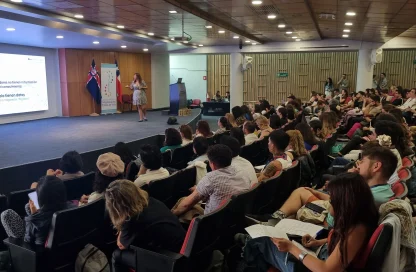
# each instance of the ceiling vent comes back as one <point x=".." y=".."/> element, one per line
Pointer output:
<point x="264" y="10"/>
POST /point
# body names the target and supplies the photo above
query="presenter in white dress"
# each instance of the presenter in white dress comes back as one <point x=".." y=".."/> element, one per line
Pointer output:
<point x="139" y="95"/>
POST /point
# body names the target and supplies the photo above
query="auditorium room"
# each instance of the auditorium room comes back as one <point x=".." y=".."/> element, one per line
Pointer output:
<point x="207" y="135"/>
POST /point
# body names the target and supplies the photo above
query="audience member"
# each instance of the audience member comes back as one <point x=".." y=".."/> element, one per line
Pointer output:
<point x="203" y="130"/>
<point x="70" y="167"/>
<point x="141" y="221"/>
<point x="282" y="112"/>
<point x="275" y="122"/>
<point x="247" y="113"/>
<point x="308" y="135"/>
<point x="173" y="140"/>
<point x="223" y="125"/>
<point x="122" y="150"/>
<point x="329" y="125"/>
<point x="230" y="119"/>
<point x="249" y="129"/>
<point x="296" y="144"/>
<point x="316" y="126"/>
<point x="263" y="125"/>
<point x="151" y="168"/>
<point x="201" y="145"/>
<point x="223" y="182"/>
<point x="238" y="134"/>
<point x="238" y="115"/>
<point x="186" y="134"/>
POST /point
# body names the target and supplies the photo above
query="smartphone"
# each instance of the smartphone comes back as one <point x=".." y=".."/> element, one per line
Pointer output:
<point x="34" y="197"/>
<point x="315" y="207"/>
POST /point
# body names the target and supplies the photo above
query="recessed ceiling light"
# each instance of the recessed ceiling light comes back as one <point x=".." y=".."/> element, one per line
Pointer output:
<point x="120" y="26"/>
<point x="151" y="34"/>
<point x="10" y="29"/>
<point x="208" y="26"/>
<point x="294" y="37"/>
<point x="17" y="1"/>
<point x="248" y="41"/>
<point x="123" y="46"/>
<point x="201" y="45"/>
<point x="271" y="16"/>
<point x="289" y="32"/>
<point x="345" y="36"/>
<point x="173" y="11"/>
<point x="348" y="23"/>
<point x="298" y="40"/>
<point x="185" y="42"/>
<point x="236" y="37"/>
<point x="256" y="2"/>
<point x="221" y="31"/>
<point x="95" y="42"/>
<point x="145" y="49"/>
<point x="79" y="16"/>
<point x="59" y="37"/>
<point x="350" y="13"/>
<point x="347" y="30"/>
<point x="281" y="25"/>
<point x="253" y="43"/>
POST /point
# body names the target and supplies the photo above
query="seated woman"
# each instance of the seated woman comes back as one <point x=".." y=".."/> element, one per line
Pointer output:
<point x="141" y="221"/>
<point x="307" y="134"/>
<point x="223" y="125"/>
<point x="247" y="113"/>
<point x="151" y="168"/>
<point x="264" y="127"/>
<point x="296" y="144"/>
<point x="230" y="119"/>
<point x="122" y="150"/>
<point x="34" y="228"/>
<point x="203" y="129"/>
<point x="282" y="112"/>
<point x="70" y="166"/>
<point x="329" y="125"/>
<point x="186" y="134"/>
<point x="345" y="98"/>
<point x="173" y="140"/>
<point x="351" y="198"/>
<point x="275" y="122"/>
<point x="238" y="115"/>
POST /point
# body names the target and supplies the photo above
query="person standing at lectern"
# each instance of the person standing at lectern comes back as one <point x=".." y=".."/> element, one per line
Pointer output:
<point x="139" y="95"/>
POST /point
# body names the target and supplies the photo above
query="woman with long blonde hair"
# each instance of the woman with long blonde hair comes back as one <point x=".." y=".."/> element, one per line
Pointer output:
<point x="264" y="126"/>
<point x="329" y="124"/>
<point x="296" y="143"/>
<point x="140" y="220"/>
<point x="231" y="119"/>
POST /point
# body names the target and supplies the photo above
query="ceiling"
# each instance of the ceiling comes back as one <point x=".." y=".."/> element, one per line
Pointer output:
<point x="375" y="21"/>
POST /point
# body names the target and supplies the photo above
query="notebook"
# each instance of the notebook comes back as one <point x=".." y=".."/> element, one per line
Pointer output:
<point x="296" y="227"/>
<point x="258" y="230"/>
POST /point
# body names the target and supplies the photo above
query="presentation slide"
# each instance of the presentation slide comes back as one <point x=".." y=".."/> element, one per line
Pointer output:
<point x="22" y="84"/>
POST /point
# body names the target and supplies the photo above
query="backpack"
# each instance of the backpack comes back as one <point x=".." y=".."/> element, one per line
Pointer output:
<point x="91" y="259"/>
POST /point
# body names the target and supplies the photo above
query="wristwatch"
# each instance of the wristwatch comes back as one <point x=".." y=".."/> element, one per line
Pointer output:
<point x="302" y="256"/>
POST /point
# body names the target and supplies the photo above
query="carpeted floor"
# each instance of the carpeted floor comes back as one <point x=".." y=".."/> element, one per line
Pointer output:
<point x="40" y="140"/>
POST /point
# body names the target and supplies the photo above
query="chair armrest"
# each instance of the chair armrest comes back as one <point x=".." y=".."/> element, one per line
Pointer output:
<point x="24" y="257"/>
<point x="158" y="260"/>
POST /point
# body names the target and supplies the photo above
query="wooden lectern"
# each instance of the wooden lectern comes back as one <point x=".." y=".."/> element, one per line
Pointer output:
<point x="177" y="98"/>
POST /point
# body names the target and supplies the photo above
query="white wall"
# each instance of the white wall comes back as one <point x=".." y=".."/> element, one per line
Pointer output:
<point x="192" y="69"/>
<point x="52" y="80"/>
<point x="160" y="81"/>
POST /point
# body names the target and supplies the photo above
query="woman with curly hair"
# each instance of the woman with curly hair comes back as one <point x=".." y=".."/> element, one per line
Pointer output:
<point x="296" y="144"/>
<point x="329" y="124"/>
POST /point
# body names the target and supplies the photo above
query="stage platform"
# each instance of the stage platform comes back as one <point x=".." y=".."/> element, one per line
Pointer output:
<point x="28" y="146"/>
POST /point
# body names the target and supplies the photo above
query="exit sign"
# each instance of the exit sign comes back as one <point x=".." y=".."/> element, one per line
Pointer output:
<point x="282" y="74"/>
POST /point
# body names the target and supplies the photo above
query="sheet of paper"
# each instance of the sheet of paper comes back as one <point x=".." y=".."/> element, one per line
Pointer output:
<point x="310" y="252"/>
<point x="34" y="197"/>
<point x="296" y="227"/>
<point x="257" y="231"/>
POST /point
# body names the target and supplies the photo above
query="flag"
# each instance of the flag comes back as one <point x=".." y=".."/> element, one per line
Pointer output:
<point x="93" y="83"/>
<point x="118" y="84"/>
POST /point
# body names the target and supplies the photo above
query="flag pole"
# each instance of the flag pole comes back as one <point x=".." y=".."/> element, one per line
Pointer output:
<point x="94" y="114"/>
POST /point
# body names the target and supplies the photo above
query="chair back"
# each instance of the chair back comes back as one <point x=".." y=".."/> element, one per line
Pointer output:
<point x="17" y="201"/>
<point x="408" y="162"/>
<point x="196" y="101"/>
<point x="218" y="136"/>
<point x="181" y="156"/>
<point x="290" y="179"/>
<point x="166" y="158"/>
<point x="255" y="152"/>
<point x="264" y="198"/>
<point x="404" y="174"/>
<point x="185" y="180"/>
<point x="162" y="190"/>
<point x="399" y="189"/>
<point x="77" y="187"/>
<point x="210" y="140"/>
<point x="131" y="171"/>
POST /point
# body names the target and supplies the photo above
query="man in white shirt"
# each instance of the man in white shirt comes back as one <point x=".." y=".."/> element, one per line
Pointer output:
<point x="238" y="162"/>
<point x="410" y="102"/>
<point x="151" y="168"/>
<point x="249" y="128"/>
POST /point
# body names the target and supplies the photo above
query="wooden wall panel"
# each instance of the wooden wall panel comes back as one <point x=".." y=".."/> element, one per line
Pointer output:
<point x="307" y="71"/>
<point x="78" y="63"/>
<point x="398" y="66"/>
<point x="218" y="74"/>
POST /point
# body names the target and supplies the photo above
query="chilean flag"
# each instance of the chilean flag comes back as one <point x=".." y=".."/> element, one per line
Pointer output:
<point x="118" y="84"/>
<point x="93" y="83"/>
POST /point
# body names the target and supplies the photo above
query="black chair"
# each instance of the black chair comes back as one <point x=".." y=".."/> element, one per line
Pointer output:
<point x="218" y="136"/>
<point x="290" y="179"/>
<point x="131" y="171"/>
<point x="163" y="190"/>
<point x="77" y="187"/>
<point x="184" y="180"/>
<point x="181" y="156"/>
<point x="17" y="201"/>
<point x="264" y="202"/>
<point x="210" y="140"/>
<point x="71" y="230"/>
<point x="166" y="158"/>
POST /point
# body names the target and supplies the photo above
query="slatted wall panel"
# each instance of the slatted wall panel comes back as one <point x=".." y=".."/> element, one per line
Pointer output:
<point x="218" y="72"/>
<point x="398" y="66"/>
<point x="307" y="71"/>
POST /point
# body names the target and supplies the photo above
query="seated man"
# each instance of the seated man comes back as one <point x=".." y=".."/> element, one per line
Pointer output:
<point x="376" y="167"/>
<point x="151" y="168"/>
<point x="238" y="162"/>
<point x="224" y="181"/>
<point x="249" y="129"/>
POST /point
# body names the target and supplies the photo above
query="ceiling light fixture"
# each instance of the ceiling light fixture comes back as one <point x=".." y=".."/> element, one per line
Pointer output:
<point x="10" y="29"/>
<point x="120" y="26"/>
<point x="172" y="39"/>
<point x="145" y="49"/>
<point x="221" y="31"/>
<point x="298" y="40"/>
<point x="79" y="16"/>
<point x="201" y="45"/>
<point x="17" y="1"/>
<point x="271" y="16"/>
<point x="151" y="34"/>
<point x="281" y="25"/>
<point x="348" y="23"/>
<point x="347" y="30"/>
<point x="236" y="37"/>
<point x="248" y="41"/>
<point x="345" y="36"/>
<point x="185" y="42"/>
<point x="208" y="26"/>
<point x="173" y="11"/>
<point x="59" y="37"/>
<point x="289" y="32"/>
<point x="294" y="37"/>
<point x="253" y="43"/>
<point x="351" y="13"/>
<point x="123" y="46"/>
<point x="257" y="2"/>
<point x="95" y="42"/>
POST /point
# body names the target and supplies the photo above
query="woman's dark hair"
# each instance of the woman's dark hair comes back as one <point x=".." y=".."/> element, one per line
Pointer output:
<point x="203" y="128"/>
<point x="237" y="112"/>
<point x="275" y="122"/>
<point x="395" y="131"/>
<point x="280" y="139"/>
<point x="353" y="205"/>
<point x="101" y="182"/>
<point x="138" y="78"/>
<point x="257" y="108"/>
<point x="224" y="122"/>
<point x="283" y="112"/>
<point x="200" y="145"/>
<point x="330" y="80"/>
<point x="398" y="114"/>
<point x="383" y="117"/>
<point x="307" y="134"/>
<point x="173" y="137"/>
<point x="151" y="156"/>
<point x="333" y="108"/>
<point x="247" y="113"/>
<point x="71" y="162"/>
<point x="295" y="104"/>
<point x="290" y="113"/>
<point x="51" y="193"/>
<point x="264" y="105"/>
<point x="387" y="107"/>
<point x="186" y="130"/>
<point x="124" y="152"/>
<point x="238" y="134"/>
<point x="315" y="125"/>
